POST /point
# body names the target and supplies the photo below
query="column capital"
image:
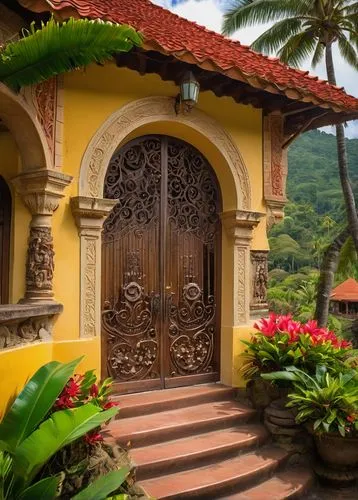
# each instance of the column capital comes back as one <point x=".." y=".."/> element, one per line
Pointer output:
<point x="41" y="190"/>
<point x="240" y="223"/>
<point x="90" y="213"/>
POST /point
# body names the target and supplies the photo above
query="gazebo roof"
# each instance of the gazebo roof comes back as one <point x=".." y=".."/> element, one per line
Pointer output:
<point x="346" y="291"/>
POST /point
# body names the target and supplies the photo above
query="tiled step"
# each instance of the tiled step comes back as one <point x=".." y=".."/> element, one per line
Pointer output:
<point x="285" y="485"/>
<point x="132" y="405"/>
<point x="211" y="481"/>
<point x="175" y="424"/>
<point x="172" y="456"/>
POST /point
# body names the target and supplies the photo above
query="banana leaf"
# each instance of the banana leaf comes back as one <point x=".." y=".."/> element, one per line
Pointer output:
<point x="61" y="429"/>
<point x="103" y="486"/>
<point x="34" y="402"/>
<point x="56" y="48"/>
<point x="45" y="489"/>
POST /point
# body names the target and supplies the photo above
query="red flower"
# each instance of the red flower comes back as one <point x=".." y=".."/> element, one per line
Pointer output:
<point x="110" y="404"/>
<point x="93" y="437"/>
<point x="64" y="402"/>
<point x="94" y="390"/>
<point x="72" y="388"/>
<point x="351" y="418"/>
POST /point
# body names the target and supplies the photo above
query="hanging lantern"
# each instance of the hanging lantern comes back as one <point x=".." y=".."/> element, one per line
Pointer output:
<point x="189" y="93"/>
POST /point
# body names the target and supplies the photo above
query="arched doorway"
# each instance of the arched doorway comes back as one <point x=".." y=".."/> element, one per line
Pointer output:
<point x="160" y="263"/>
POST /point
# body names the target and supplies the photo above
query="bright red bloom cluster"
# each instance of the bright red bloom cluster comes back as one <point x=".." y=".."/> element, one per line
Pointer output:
<point x="78" y="391"/>
<point x="70" y="393"/>
<point x="276" y="325"/>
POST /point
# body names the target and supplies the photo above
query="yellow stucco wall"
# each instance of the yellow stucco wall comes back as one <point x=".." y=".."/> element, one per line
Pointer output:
<point x="90" y="97"/>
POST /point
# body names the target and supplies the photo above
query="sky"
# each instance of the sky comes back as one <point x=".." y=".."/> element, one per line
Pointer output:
<point x="209" y="13"/>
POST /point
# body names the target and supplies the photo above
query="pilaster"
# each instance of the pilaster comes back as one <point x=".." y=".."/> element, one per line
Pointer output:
<point x="239" y="225"/>
<point x="41" y="192"/>
<point x="90" y="214"/>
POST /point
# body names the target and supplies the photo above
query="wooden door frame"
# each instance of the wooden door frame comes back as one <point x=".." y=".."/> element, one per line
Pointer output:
<point x="166" y="382"/>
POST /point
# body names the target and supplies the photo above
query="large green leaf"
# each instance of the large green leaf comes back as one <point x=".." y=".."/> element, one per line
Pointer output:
<point x="103" y="486"/>
<point x="33" y="403"/>
<point x="61" y="429"/>
<point x="57" y="48"/>
<point x="45" y="489"/>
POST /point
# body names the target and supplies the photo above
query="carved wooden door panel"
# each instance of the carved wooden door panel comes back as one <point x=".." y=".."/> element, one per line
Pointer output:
<point x="159" y="266"/>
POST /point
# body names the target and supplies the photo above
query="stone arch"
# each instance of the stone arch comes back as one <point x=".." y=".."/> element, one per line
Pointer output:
<point x="17" y="115"/>
<point x="153" y="110"/>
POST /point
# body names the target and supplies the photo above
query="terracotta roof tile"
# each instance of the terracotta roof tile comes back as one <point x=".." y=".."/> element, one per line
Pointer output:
<point x="180" y="37"/>
<point x="348" y="291"/>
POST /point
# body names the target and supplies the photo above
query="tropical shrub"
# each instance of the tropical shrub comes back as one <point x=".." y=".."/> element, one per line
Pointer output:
<point x="328" y="402"/>
<point x="280" y="342"/>
<point x="50" y="413"/>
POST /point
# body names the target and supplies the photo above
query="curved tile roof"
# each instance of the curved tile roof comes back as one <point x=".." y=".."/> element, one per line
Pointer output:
<point x="347" y="291"/>
<point x="170" y="34"/>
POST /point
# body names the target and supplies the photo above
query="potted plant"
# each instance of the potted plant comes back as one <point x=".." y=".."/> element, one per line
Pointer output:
<point x="328" y="406"/>
<point x="280" y="342"/>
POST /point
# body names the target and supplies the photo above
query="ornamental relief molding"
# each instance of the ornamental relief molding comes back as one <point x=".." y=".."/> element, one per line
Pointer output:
<point x="46" y="101"/>
<point x="150" y="110"/>
<point x="275" y="168"/>
<point x="259" y="274"/>
<point x="89" y="326"/>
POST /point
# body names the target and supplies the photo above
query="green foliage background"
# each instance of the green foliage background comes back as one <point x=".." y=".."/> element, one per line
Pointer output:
<point x="315" y="212"/>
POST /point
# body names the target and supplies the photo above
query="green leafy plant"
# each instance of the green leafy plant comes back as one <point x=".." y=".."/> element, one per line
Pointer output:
<point x="329" y="402"/>
<point x="59" y="47"/>
<point x="280" y="342"/>
<point x="36" y="427"/>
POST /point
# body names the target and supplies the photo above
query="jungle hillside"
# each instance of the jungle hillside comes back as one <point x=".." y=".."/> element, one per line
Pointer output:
<point x="313" y="216"/>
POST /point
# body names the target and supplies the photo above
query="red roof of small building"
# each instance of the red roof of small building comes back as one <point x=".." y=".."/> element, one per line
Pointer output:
<point x="168" y="33"/>
<point x="346" y="291"/>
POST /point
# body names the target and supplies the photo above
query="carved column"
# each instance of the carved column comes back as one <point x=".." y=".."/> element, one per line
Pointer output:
<point x="90" y="214"/>
<point x="259" y="280"/>
<point x="239" y="225"/>
<point x="275" y="167"/>
<point x="41" y="191"/>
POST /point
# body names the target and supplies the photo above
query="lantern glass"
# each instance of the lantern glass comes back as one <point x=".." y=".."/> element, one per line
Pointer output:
<point x="189" y="89"/>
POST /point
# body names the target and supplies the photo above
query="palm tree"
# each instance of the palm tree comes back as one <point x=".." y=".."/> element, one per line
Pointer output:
<point x="55" y="48"/>
<point x="304" y="28"/>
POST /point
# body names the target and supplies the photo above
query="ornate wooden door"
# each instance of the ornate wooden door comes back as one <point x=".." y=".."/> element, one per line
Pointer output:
<point x="160" y="303"/>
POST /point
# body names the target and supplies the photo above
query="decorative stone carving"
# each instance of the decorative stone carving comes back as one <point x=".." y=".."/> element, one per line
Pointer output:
<point x="239" y="225"/>
<point x="40" y="262"/>
<point x="89" y="214"/>
<point x="41" y="192"/>
<point x="44" y="96"/>
<point x="275" y="167"/>
<point x="23" y="324"/>
<point x="151" y="110"/>
<point x="259" y="273"/>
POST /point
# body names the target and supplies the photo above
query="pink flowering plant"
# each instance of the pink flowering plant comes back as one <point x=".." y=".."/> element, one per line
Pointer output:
<point x="280" y="342"/>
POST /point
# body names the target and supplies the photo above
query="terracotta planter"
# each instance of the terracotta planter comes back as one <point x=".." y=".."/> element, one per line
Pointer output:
<point x="337" y="451"/>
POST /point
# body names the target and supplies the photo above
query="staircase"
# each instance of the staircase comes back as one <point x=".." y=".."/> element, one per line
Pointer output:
<point x="199" y="442"/>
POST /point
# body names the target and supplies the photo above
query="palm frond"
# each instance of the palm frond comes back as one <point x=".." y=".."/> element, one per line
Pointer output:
<point x="347" y="51"/>
<point x="273" y="38"/>
<point x="298" y="48"/>
<point x="56" y="48"/>
<point x="248" y="13"/>
<point x="318" y="54"/>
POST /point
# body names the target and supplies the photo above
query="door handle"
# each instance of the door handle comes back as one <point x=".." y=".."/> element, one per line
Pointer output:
<point x="156" y="303"/>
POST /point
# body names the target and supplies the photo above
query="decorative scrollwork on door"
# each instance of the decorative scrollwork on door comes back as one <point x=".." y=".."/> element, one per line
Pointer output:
<point x="191" y="332"/>
<point x="193" y="198"/>
<point x="130" y="324"/>
<point x="133" y="177"/>
<point x="159" y="266"/>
